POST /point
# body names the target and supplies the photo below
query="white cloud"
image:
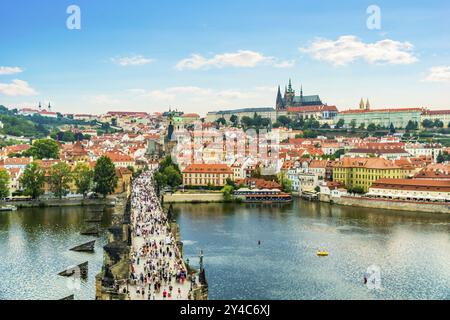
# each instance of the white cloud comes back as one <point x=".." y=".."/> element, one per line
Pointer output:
<point x="438" y="74"/>
<point x="347" y="49"/>
<point x="10" y="70"/>
<point x="17" y="88"/>
<point x="137" y="60"/>
<point x="239" y="59"/>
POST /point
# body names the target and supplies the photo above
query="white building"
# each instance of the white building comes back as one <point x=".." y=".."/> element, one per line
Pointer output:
<point x="411" y="190"/>
<point x="423" y="149"/>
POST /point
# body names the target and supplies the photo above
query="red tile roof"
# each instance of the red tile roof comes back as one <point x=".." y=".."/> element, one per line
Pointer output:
<point x="208" y="168"/>
<point x="412" y="184"/>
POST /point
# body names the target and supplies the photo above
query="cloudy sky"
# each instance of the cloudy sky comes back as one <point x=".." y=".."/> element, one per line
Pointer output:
<point x="200" y="55"/>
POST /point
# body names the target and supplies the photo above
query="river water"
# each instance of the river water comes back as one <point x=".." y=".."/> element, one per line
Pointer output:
<point x="411" y="250"/>
<point x="34" y="248"/>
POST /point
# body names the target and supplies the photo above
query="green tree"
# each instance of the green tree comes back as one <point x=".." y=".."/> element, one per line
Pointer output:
<point x="221" y="121"/>
<point x="362" y="126"/>
<point x="234" y="120"/>
<point x="173" y="176"/>
<point x="160" y="179"/>
<point x="412" y="125"/>
<point x="4" y="184"/>
<point x="44" y="149"/>
<point x="284" y="120"/>
<point x="440" y="158"/>
<point x="286" y="184"/>
<point x="357" y="190"/>
<point x="427" y="123"/>
<point x="371" y="127"/>
<point x="246" y="122"/>
<point x="340" y="124"/>
<point x="83" y="177"/>
<point x="168" y="174"/>
<point x="60" y="177"/>
<point x="227" y="192"/>
<point x="392" y="128"/>
<point x="32" y="180"/>
<point x="353" y="124"/>
<point x="438" y="123"/>
<point x="105" y="178"/>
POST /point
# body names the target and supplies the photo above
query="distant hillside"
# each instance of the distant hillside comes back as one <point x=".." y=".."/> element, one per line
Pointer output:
<point x="35" y="126"/>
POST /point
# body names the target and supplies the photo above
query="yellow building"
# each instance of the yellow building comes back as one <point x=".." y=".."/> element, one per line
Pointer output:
<point x="362" y="172"/>
<point x="207" y="174"/>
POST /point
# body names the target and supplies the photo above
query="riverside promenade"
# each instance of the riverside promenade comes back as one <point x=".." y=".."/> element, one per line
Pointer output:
<point x="158" y="271"/>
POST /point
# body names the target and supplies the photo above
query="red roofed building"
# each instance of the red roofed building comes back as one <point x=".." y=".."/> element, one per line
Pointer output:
<point x="207" y="174"/>
<point x="441" y="115"/>
<point x="120" y="160"/>
<point x="411" y="190"/>
<point x="259" y="183"/>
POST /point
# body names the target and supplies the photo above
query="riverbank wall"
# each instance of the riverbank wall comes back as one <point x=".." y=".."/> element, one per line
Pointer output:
<point x="60" y="203"/>
<point x="390" y="204"/>
<point x="193" y="197"/>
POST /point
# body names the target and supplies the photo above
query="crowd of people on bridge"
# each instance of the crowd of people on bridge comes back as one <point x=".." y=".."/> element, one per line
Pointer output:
<point x="157" y="270"/>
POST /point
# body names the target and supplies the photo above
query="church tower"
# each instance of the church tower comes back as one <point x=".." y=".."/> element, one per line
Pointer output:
<point x="289" y="95"/>
<point x="361" y="105"/>
<point x="368" y="104"/>
<point x="280" y="102"/>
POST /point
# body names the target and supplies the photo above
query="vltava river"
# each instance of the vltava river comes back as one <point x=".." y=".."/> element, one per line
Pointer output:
<point x="34" y="248"/>
<point x="411" y="250"/>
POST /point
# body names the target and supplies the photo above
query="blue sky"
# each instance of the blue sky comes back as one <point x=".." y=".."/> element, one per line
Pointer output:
<point x="200" y="56"/>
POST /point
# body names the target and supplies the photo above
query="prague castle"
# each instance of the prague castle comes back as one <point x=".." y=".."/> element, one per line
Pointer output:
<point x="291" y="100"/>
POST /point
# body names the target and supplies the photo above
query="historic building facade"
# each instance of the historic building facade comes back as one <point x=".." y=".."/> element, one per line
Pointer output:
<point x="383" y="117"/>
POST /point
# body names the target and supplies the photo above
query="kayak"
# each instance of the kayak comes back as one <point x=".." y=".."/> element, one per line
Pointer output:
<point x="322" y="253"/>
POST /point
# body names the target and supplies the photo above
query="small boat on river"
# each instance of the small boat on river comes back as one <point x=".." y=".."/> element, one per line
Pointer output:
<point x="8" y="208"/>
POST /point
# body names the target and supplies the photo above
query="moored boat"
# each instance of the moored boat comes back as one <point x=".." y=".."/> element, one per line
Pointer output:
<point x="8" y="208"/>
<point x="263" y="195"/>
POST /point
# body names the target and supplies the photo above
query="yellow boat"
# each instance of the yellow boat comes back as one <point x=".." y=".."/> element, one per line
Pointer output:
<point x="322" y="253"/>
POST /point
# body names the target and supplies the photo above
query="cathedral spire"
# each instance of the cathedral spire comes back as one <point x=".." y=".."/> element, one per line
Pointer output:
<point x="368" y="104"/>
<point x="290" y="85"/>
<point x="279" y="104"/>
<point x="301" y="91"/>
<point x="361" y="104"/>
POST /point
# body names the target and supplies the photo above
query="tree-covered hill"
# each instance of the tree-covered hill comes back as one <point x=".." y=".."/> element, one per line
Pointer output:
<point x="35" y="126"/>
